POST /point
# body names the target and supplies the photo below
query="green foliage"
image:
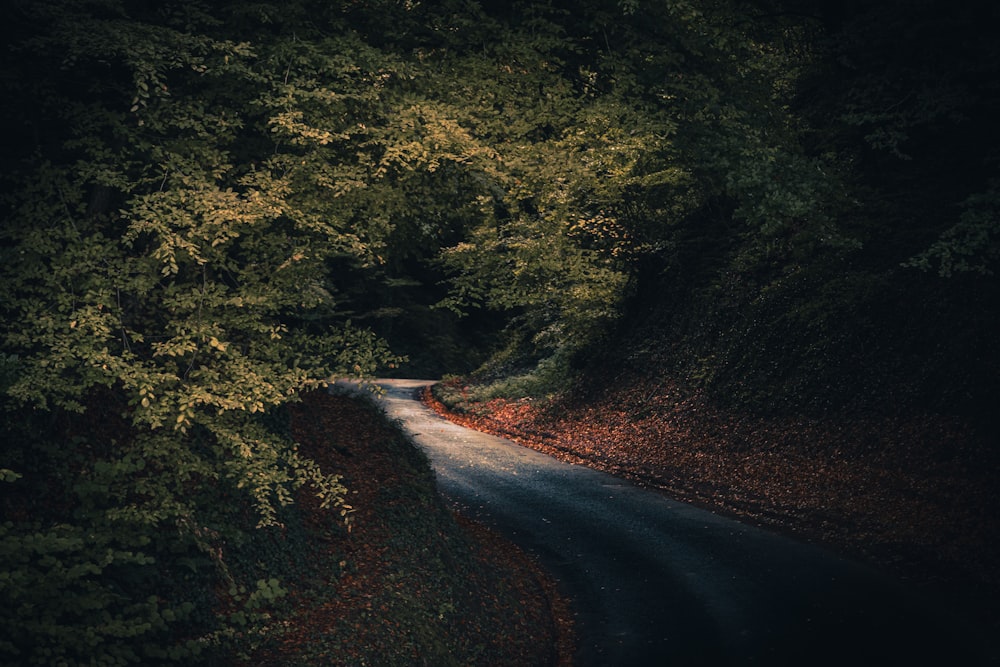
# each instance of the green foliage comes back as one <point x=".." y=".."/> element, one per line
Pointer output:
<point x="654" y="121"/>
<point x="751" y="180"/>
<point x="208" y="209"/>
<point x="62" y="607"/>
<point x="164" y="253"/>
<point x="186" y="295"/>
<point x="971" y="245"/>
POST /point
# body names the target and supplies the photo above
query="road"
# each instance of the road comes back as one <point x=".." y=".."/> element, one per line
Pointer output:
<point x="659" y="582"/>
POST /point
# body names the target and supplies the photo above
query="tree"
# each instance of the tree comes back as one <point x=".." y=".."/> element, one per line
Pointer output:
<point x="166" y="230"/>
<point x="624" y="129"/>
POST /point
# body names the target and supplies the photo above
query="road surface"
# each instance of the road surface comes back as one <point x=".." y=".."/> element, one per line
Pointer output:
<point x="659" y="582"/>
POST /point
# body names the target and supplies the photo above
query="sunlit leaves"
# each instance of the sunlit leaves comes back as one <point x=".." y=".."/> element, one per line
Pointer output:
<point x="180" y="284"/>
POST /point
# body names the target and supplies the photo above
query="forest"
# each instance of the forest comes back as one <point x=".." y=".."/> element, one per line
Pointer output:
<point x="211" y="208"/>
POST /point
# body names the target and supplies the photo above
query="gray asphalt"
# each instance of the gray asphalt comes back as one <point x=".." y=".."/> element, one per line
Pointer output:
<point x="659" y="582"/>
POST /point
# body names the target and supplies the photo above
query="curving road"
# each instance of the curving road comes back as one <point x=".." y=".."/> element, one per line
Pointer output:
<point x="658" y="582"/>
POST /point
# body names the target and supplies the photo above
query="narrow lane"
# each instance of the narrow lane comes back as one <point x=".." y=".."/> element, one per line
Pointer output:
<point x="659" y="582"/>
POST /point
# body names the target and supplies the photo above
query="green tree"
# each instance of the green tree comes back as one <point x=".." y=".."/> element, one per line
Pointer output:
<point x="170" y="209"/>
<point x="623" y="129"/>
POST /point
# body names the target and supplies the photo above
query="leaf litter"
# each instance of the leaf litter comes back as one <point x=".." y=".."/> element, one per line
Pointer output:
<point x="913" y="494"/>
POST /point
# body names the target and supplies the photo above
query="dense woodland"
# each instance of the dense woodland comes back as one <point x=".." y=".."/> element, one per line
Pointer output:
<point x="211" y="208"/>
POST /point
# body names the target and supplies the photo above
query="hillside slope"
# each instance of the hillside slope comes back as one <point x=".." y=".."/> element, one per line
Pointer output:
<point x="411" y="583"/>
<point x="406" y="582"/>
<point x="912" y="494"/>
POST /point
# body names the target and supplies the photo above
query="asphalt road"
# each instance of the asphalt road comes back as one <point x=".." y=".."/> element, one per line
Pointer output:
<point x="658" y="582"/>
